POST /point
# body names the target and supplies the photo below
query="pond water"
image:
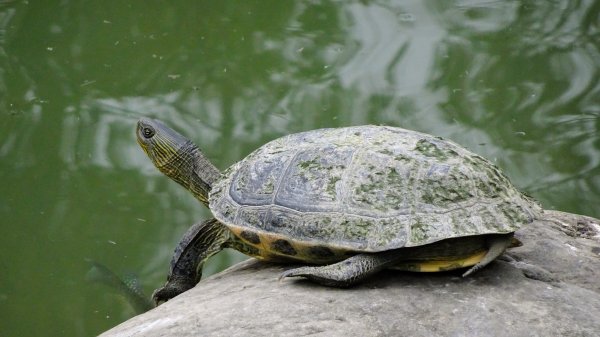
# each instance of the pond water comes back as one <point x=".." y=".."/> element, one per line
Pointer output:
<point x="515" y="81"/>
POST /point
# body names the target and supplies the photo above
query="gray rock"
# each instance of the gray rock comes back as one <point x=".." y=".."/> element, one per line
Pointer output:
<point x="547" y="287"/>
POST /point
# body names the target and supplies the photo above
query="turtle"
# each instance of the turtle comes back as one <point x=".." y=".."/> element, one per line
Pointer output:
<point x="344" y="203"/>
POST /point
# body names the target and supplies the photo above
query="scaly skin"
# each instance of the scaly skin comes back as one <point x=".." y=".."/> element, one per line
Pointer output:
<point x="177" y="157"/>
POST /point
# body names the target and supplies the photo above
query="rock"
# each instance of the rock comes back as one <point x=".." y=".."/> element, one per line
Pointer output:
<point x="547" y="287"/>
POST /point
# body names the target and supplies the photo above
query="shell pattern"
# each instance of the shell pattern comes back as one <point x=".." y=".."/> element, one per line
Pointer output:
<point x="369" y="189"/>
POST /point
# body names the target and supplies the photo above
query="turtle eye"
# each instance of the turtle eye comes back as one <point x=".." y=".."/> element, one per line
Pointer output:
<point x="148" y="132"/>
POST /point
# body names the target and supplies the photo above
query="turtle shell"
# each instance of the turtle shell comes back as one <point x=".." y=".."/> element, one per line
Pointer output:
<point x="365" y="189"/>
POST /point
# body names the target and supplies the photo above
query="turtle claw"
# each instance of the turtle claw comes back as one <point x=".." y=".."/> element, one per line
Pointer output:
<point x="296" y="272"/>
<point x="316" y="274"/>
<point x="163" y="294"/>
<point x="158" y="297"/>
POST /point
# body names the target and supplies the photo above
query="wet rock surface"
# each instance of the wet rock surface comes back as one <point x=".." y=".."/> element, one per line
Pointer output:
<point x="550" y="286"/>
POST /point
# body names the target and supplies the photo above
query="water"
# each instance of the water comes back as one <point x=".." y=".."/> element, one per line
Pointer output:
<point x="515" y="81"/>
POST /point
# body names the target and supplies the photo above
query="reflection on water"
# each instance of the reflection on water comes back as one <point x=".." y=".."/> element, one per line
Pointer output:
<point x="516" y="81"/>
<point x="127" y="287"/>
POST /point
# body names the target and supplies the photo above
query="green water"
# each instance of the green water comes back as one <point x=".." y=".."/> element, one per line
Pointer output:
<point x="515" y="81"/>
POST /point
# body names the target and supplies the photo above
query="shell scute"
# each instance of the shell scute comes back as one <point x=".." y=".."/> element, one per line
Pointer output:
<point x="255" y="184"/>
<point x="311" y="181"/>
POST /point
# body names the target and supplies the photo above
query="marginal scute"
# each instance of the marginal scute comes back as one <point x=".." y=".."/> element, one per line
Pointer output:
<point x="281" y="220"/>
<point x="252" y="216"/>
<point x="366" y="189"/>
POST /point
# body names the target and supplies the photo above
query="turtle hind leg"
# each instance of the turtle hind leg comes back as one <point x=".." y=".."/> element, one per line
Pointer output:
<point x="347" y="272"/>
<point x="497" y="245"/>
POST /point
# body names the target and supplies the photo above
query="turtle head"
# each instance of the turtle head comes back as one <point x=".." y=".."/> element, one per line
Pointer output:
<point x="177" y="157"/>
<point x="161" y="143"/>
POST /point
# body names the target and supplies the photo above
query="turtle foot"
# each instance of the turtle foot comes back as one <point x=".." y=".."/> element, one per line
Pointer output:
<point x="170" y="290"/>
<point x="346" y="272"/>
<point x="320" y="275"/>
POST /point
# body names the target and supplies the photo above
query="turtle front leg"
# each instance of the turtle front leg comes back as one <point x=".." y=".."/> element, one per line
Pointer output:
<point x="347" y="272"/>
<point x="200" y="242"/>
